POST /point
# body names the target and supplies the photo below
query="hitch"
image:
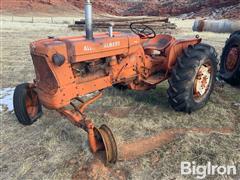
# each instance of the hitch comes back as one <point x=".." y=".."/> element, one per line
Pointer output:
<point x="100" y="139"/>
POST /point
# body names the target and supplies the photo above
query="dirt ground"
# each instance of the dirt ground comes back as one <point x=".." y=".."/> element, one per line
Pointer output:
<point x="53" y="148"/>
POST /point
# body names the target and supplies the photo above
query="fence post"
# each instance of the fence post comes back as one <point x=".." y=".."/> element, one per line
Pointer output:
<point x="32" y="19"/>
<point x="52" y="20"/>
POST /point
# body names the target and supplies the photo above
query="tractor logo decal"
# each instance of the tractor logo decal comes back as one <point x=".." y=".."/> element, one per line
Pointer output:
<point x="112" y="44"/>
<point x="87" y="48"/>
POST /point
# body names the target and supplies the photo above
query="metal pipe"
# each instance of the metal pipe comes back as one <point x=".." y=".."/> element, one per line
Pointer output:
<point x="88" y="20"/>
<point x="110" y="30"/>
<point x="219" y="26"/>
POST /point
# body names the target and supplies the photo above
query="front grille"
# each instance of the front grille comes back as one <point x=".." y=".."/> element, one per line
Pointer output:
<point x="44" y="76"/>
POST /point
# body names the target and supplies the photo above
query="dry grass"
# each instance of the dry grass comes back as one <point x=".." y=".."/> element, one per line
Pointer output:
<point x="54" y="149"/>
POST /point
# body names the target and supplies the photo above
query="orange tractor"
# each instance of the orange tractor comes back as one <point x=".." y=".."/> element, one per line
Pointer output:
<point x="70" y="67"/>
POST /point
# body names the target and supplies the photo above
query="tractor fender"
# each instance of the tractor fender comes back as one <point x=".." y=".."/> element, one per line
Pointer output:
<point x="176" y="49"/>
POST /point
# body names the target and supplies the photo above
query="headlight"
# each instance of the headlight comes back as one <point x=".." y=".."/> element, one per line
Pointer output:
<point x="58" y="59"/>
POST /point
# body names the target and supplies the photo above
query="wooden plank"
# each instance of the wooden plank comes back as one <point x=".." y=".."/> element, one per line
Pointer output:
<point x="126" y="19"/>
<point x="120" y="25"/>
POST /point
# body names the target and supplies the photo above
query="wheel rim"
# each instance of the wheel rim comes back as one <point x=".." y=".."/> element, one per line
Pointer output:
<point x="110" y="147"/>
<point x="232" y="59"/>
<point x="202" y="81"/>
<point x="31" y="104"/>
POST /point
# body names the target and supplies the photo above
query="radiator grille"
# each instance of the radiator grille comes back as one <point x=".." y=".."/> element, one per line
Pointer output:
<point x="44" y="76"/>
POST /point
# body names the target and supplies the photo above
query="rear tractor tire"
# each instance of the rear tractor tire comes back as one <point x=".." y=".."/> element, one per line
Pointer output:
<point x="230" y="60"/>
<point x="193" y="78"/>
<point x="26" y="104"/>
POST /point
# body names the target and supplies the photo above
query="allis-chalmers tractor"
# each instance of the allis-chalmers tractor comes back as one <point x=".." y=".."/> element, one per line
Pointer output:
<point x="70" y="67"/>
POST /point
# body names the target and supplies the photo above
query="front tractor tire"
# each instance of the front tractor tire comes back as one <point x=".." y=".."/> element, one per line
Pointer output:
<point x="230" y="60"/>
<point x="193" y="78"/>
<point x="26" y="104"/>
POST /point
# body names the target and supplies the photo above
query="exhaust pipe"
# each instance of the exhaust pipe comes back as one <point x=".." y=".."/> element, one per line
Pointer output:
<point x="88" y="20"/>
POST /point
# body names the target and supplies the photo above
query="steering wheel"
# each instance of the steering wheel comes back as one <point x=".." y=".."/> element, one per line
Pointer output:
<point x="143" y="31"/>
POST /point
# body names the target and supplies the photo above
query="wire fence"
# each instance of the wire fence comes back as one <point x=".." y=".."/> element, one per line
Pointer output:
<point x="34" y="19"/>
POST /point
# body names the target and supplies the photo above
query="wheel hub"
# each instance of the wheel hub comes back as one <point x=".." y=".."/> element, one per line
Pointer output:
<point x="31" y="103"/>
<point x="232" y="59"/>
<point x="202" y="81"/>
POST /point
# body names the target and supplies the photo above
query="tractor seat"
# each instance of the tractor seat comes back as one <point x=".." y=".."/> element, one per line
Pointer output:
<point x="160" y="42"/>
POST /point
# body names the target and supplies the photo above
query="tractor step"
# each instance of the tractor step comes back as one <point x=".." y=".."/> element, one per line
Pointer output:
<point x="155" y="79"/>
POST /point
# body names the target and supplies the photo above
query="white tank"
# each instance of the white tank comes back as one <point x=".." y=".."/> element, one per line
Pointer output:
<point x="219" y="26"/>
